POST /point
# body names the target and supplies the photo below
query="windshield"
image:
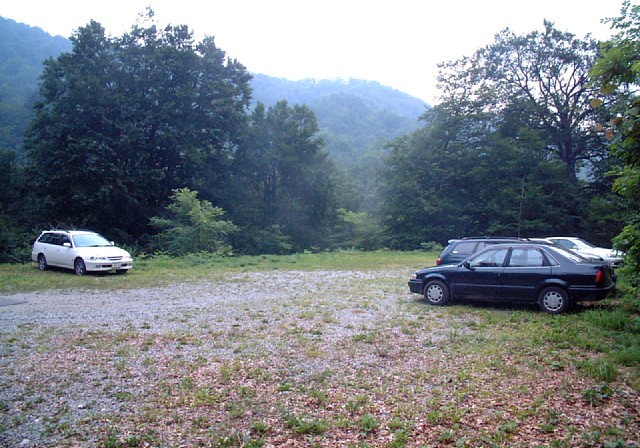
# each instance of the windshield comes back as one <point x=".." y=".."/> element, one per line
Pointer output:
<point x="584" y="245"/>
<point x="90" y="240"/>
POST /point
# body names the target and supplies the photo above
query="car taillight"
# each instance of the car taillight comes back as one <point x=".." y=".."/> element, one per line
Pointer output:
<point x="600" y="276"/>
<point x="438" y="261"/>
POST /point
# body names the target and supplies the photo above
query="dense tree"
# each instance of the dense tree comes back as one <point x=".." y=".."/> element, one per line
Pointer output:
<point x="125" y="121"/>
<point x="513" y="148"/>
<point x="284" y="181"/>
<point x="540" y="79"/>
<point x="460" y="177"/>
<point x="12" y="224"/>
<point x="618" y="71"/>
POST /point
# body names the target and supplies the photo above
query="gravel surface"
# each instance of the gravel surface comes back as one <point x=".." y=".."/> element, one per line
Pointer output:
<point x="288" y="359"/>
<point x="60" y="348"/>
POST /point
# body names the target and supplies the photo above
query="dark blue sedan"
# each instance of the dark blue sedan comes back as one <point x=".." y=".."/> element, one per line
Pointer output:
<point x="551" y="276"/>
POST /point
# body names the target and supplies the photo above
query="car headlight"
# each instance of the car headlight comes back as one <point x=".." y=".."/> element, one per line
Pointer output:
<point x="97" y="258"/>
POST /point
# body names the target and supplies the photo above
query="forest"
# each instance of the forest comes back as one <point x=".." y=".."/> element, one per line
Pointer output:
<point x="155" y="140"/>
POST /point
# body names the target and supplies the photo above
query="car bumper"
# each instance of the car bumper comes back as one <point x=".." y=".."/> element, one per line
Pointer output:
<point x="589" y="294"/>
<point x="108" y="265"/>
<point x="415" y="285"/>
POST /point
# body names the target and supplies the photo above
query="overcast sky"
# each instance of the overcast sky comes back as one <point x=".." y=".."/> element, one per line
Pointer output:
<point x="396" y="42"/>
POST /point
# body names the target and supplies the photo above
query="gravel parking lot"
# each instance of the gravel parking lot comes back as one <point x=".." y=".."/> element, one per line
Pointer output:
<point x="68" y="353"/>
<point x="280" y="358"/>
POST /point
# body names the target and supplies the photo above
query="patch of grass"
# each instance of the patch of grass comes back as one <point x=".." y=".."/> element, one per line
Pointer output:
<point x="305" y="425"/>
<point x="601" y="369"/>
<point x="163" y="270"/>
<point x="595" y="396"/>
<point x="368" y="423"/>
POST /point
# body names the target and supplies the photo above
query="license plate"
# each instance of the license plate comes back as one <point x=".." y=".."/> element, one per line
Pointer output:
<point x="116" y="265"/>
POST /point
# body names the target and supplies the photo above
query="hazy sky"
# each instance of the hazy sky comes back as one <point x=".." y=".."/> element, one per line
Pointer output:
<point x="397" y="42"/>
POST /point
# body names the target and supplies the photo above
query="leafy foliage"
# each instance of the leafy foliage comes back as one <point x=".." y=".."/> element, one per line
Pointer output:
<point x="618" y="70"/>
<point x="193" y="226"/>
<point x="284" y="179"/>
<point x="125" y="121"/>
<point x="541" y="79"/>
<point x="506" y="151"/>
<point x="459" y="177"/>
<point x="514" y="148"/>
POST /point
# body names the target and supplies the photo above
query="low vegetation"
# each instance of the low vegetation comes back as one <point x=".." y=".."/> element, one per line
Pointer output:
<point x="327" y="349"/>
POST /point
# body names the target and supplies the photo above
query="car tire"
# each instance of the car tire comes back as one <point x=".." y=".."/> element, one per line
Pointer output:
<point x="42" y="262"/>
<point x="436" y="293"/>
<point x="79" y="267"/>
<point x="554" y="300"/>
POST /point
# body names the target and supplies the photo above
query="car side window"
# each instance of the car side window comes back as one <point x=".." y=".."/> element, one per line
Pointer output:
<point x="45" y="238"/>
<point x="489" y="259"/>
<point x="526" y="257"/>
<point x="464" y="248"/>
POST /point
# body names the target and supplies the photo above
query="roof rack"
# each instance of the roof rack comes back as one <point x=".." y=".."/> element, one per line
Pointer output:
<point x="494" y="237"/>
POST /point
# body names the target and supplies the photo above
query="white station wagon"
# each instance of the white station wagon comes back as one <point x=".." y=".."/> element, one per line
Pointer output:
<point x="79" y="250"/>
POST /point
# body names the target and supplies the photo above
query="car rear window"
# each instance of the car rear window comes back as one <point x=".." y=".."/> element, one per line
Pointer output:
<point x="46" y="238"/>
<point x="466" y="247"/>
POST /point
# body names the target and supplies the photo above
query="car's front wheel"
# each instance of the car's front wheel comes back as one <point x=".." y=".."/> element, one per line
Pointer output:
<point x="436" y="292"/>
<point x="554" y="300"/>
<point x="42" y="262"/>
<point x="79" y="267"/>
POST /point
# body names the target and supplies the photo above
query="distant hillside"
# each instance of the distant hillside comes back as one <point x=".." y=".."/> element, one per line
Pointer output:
<point x="355" y="117"/>
<point x="23" y="49"/>
<point x="269" y="90"/>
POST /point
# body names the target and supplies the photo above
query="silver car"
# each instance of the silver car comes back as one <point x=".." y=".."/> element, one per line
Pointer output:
<point x="580" y="246"/>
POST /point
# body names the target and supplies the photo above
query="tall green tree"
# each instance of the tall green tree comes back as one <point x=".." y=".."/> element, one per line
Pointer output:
<point x="125" y="121"/>
<point x="192" y="226"/>
<point x="459" y="176"/>
<point x="542" y="80"/>
<point x="285" y="181"/>
<point x="618" y="72"/>
<point x="512" y="149"/>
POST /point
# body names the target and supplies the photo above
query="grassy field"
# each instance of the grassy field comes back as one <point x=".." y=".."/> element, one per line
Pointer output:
<point x="349" y="359"/>
<point x="153" y="271"/>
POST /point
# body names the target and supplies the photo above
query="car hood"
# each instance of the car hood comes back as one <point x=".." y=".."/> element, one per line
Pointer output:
<point x="441" y="268"/>
<point x="603" y="252"/>
<point x="103" y="251"/>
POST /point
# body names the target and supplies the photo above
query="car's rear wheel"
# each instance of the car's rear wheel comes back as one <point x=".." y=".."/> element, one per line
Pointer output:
<point x="554" y="300"/>
<point x="42" y="262"/>
<point x="436" y="292"/>
<point x="79" y="267"/>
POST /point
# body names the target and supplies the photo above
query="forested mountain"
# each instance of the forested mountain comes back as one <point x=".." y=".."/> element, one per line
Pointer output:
<point x="22" y="51"/>
<point x="354" y="117"/>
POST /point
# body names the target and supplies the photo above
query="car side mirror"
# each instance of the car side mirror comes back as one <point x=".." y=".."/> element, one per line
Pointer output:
<point x="467" y="265"/>
<point x="67" y="245"/>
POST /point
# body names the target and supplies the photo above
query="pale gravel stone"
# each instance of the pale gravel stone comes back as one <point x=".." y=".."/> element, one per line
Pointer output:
<point x="268" y="303"/>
